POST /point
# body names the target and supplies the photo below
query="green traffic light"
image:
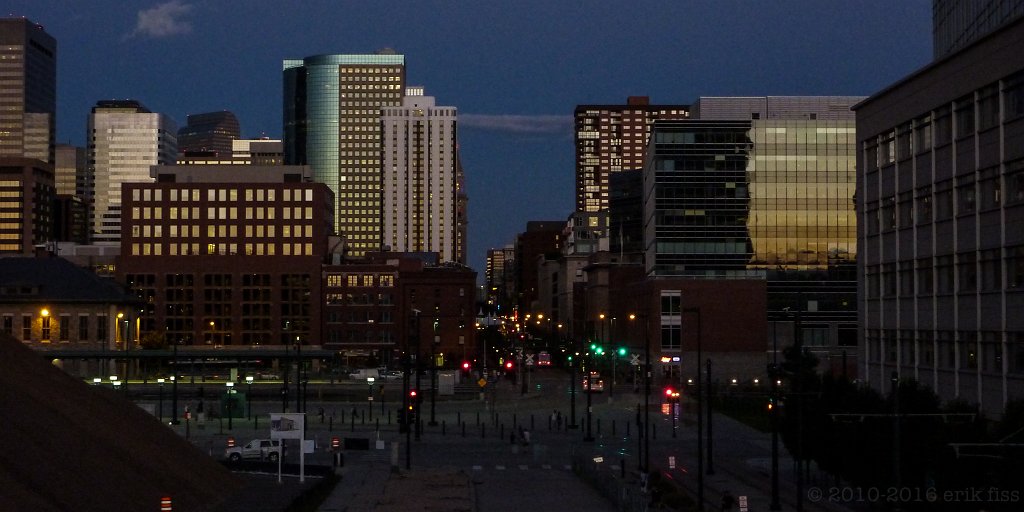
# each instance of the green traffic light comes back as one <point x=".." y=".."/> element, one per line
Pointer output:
<point x="593" y="346"/>
<point x="622" y="351"/>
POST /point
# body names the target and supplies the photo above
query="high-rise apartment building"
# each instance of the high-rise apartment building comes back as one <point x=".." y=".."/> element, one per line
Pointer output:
<point x="613" y="138"/>
<point x="941" y="204"/>
<point x="211" y="132"/>
<point x="761" y="188"/>
<point x="332" y="106"/>
<point x="419" y="177"/>
<point x="125" y="140"/>
<point x="28" y="90"/>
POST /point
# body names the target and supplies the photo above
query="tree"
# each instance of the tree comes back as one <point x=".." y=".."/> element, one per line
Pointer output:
<point x="153" y="340"/>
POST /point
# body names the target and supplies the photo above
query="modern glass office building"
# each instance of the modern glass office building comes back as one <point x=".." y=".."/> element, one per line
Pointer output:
<point x="332" y="123"/>
<point x="761" y="188"/>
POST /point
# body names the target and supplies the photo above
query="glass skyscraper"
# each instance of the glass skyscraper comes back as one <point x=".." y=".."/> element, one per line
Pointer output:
<point x="332" y="123"/>
<point x="761" y="188"/>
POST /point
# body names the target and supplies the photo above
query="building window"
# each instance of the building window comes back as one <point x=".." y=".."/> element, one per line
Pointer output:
<point x="671" y="337"/>
<point x="988" y="107"/>
<point x="924" y="205"/>
<point x="65" y="328"/>
<point x="965" y="116"/>
<point x="83" y="328"/>
<point x="925" y="285"/>
<point x="967" y="272"/>
<point x="8" y="325"/>
<point x="1013" y="96"/>
<point x="1015" y="267"/>
<point x="26" y="327"/>
<point x="45" y="336"/>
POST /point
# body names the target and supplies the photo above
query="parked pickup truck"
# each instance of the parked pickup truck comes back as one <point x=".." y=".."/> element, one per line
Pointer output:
<point x="259" y="449"/>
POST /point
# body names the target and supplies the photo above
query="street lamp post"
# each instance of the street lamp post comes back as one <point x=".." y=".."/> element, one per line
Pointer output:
<point x="573" y="362"/>
<point x="248" y="394"/>
<point x="590" y="393"/>
<point x="160" y="393"/>
<point x="369" y="398"/>
<point x="229" y="399"/>
<point x="775" y="505"/>
<point x="433" y="376"/>
<point x="174" y="387"/>
<point x="700" y="414"/>
<point x="647" y="394"/>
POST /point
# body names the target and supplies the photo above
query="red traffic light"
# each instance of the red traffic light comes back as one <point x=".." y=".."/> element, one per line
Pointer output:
<point x="465" y="365"/>
<point x="412" y="393"/>
<point x="668" y="391"/>
<point x="508" y="365"/>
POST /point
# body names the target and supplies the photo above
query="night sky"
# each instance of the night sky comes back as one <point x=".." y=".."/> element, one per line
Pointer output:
<point x="515" y="70"/>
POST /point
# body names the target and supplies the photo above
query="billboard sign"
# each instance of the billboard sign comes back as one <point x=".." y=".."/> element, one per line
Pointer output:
<point x="286" y="425"/>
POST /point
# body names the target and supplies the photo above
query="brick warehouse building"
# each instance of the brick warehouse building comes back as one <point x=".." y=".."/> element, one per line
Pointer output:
<point x="369" y="309"/>
<point x="227" y="256"/>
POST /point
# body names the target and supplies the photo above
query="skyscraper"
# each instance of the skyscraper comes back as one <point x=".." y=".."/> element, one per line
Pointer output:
<point x="332" y="106"/>
<point x="28" y="90"/>
<point x="125" y="140"/>
<point x="69" y="170"/>
<point x="211" y="132"/>
<point x="613" y="138"/>
<point x="419" y="176"/>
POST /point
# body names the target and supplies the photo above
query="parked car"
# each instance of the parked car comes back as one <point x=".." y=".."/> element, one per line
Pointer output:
<point x="364" y="373"/>
<point x="259" y="449"/>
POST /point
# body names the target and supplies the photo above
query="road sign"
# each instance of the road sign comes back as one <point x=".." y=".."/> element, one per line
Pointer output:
<point x="634" y="359"/>
<point x="671" y="461"/>
<point x="482" y="382"/>
<point x="743" y="504"/>
<point x="529" y="359"/>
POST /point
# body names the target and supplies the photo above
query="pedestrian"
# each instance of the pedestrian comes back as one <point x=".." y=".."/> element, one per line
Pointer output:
<point x="526" y="438"/>
<point x="558" y="421"/>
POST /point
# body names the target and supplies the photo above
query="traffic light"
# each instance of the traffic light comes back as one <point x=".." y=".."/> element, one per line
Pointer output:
<point x="508" y="366"/>
<point x="671" y="394"/>
<point x="466" y="367"/>
<point x="622" y="351"/>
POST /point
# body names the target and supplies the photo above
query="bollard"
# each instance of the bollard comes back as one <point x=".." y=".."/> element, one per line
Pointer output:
<point x="442" y="427"/>
<point x="613" y="428"/>
<point x="622" y="468"/>
<point x="256" y="422"/>
<point x="389" y="416"/>
<point x="532" y="425"/>
<point x="459" y="417"/>
<point x="353" y="421"/>
<point x="330" y="424"/>
<point x="362" y="415"/>
<point x="514" y="422"/>
<point x="463" y="430"/>
<point x="478" y="418"/>
<point x="549" y="423"/>
<point x="483" y="431"/>
<point x="378" y="424"/>
<point x="501" y="433"/>
<point x="165" y="504"/>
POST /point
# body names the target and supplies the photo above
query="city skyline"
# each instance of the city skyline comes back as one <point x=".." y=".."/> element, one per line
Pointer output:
<point x="515" y="74"/>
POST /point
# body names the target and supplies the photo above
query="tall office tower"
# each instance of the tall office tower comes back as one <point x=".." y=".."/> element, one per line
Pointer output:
<point x="761" y="188"/>
<point x="70" y="170"/>
<point x="332" y="106"/>
<point x="28" y="91"/>
<point x="941" y="205"/>
<point x="613" y="138"/>
<point x="419" y="177"/>
<point x="125" y="140"/>
<point x="958" y="23"/>
<point x="212" y="132"/>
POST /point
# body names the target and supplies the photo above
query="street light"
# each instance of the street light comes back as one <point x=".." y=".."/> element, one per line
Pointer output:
<point x="248" y="394"/>
<point x="700" y="414"/>
<point x="160" y="381"/>
<point x="229" y="400"/>
<point x="647" y="394"/>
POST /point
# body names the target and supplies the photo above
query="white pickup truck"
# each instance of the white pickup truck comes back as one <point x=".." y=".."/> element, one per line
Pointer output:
<point x="259" y="449"/>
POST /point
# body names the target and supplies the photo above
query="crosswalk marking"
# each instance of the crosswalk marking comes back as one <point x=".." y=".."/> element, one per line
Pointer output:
<point x="499" y="468"/>
<point x="546" y="466"/>
<point x="478" y="468"/>
<point x="524" y="466"/>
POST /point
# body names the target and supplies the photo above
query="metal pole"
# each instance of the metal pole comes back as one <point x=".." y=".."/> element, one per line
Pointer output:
<point x="174" y="388"/>
<point x="416" y="405"/>
<point x="700" y="415"/>
<point x="572" y="386"/>
<point x="590" y="393"/>
<point x="711" y="387"/>
<point x="433" y="381"/>
<point x="773" y="374"/>
<point x="647" y="396"/>
<point x="161" y="393"/>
